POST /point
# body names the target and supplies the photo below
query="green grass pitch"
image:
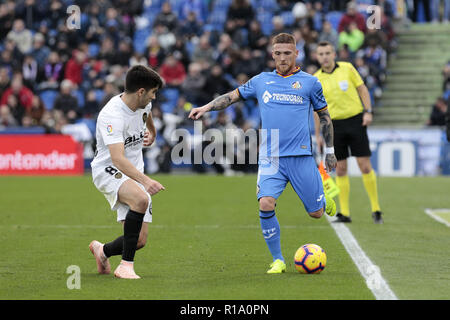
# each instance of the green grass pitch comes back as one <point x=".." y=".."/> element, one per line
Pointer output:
<point x="205" y="241"/>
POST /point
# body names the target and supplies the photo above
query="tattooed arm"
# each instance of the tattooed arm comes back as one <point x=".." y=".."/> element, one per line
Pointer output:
<point x="326" y="127"/>
<point x="218" y="103"/>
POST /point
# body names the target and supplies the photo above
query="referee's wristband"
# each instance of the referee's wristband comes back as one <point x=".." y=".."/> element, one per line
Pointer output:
<point x="367" y="111"/>
<point x="329" y="150"/>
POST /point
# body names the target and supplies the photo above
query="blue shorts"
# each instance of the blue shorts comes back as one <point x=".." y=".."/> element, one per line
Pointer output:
<point x="301" y="171"/>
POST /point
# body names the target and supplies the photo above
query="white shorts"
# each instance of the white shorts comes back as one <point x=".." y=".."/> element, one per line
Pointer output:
<point x="108" y="181"/>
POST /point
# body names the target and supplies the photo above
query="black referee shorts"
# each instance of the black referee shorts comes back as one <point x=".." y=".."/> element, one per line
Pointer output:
<point x="350" y="138"/>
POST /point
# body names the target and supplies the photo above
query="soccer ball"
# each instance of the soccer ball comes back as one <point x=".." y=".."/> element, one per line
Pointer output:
<point x="310" y="258"/>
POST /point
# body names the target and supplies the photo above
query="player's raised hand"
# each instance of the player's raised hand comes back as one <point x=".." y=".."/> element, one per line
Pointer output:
<point x="196" y="113"/>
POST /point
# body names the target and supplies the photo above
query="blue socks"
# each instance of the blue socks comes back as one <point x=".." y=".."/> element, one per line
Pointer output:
<point x="271" y="232"/>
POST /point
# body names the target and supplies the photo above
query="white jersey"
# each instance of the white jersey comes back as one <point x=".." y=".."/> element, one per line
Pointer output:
<point x="117" y="123"/>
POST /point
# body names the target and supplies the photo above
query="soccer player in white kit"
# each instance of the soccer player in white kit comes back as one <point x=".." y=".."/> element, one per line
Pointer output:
<point x="124" y="126"/>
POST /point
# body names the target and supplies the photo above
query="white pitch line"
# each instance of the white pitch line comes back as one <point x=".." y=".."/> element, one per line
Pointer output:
<point x="432" y="214"/>
<point x="371" y="272"/>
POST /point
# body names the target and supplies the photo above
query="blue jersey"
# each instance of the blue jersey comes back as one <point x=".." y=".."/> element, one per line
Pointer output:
<point x="286" y="104"/>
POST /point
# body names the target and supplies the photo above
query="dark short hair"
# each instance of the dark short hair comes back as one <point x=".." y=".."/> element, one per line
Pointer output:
<point x="283" y="38"/>
<point x="325" y="43"/>
<point x="140" y="76"/>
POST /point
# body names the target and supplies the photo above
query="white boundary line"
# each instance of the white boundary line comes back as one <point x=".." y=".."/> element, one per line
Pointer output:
<point x="431" y="213"/>
<point x="371" y="272"/>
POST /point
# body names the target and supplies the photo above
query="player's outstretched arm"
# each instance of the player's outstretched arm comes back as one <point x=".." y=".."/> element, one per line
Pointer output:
<point x="326" y="127"/>
<point x="218" y="103"/>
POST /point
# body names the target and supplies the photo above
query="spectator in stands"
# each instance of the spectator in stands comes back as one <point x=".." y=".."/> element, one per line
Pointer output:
<point x="352" y="15"/>
<point x="240" y="12"/>
<point x="66" y="102"/>
<point x="195" y="6"/>
<point x="123" y="55"/>
<point x="166" y="17"/>
<point x="6" y="117"/>
<point x="11" y="56"/>
<point x="172" y="71"/>
<point x="256" y="38"/>
<point x="216" y="84"/>
<point x="137" y="58"/>
<point x="301" y="47"/>
<point x="247" y="64"/>
<point x="387" y="8"/>
<point x="56" y="15"/>
<point x="309" y="35"/>
<point x="37" y="110"/>
<point x="6" y="18"/>
<point x="40" y="51"/>
<point x="74" y="67"/>
<point x="109" y="91"/>
<point x="166" y="38"/>
<point x="21" y="36"/>
<point x="19" y="95"/>
<point x="204" y="52"/>
<point x="352" y="37"/>
<point x="107" y="51"/>
<point x="179" y="51"/>
<point x="438" y="113"/>
<point x="52" y="73"/>
<point x="376" y="36"/>
<point x="154" y="52"/>
<point x="190" y="27"/>
<point x="4" y="80"/>
<point x="328" y="34"/>
<point x="30" y="70"/>
<point x="278" y="26"/>
<point x="376" y="58"/>
<point x="194" y="84"/>
<point x="91" y="106"/>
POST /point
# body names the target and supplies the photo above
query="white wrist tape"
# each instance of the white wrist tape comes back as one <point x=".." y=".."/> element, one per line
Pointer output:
<point x="329" y="150"/>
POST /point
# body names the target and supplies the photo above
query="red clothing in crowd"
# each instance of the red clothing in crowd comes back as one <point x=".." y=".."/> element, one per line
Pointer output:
<point x="25" y="96"/>
<point x="74" y="71"/>
<point x="173" y="75"/>
<point x="346" y="19"/>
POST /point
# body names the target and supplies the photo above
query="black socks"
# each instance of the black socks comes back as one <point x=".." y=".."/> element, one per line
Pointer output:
<point x="131" y="230"/>
<point x="113" y="248"/>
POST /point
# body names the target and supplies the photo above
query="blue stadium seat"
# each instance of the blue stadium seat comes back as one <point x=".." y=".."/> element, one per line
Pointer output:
<point x="79" y="94"/>
<point x="269" y="5"/>
<point x="288" y="18"/>
<point x="334" y="17"/>
<point x="217" y="19"/>
<point x="140" y="39"/>
<point x="318" y="20"/>
<point x="94" y="49"/>
<point x="222" y="5"/>
<point x="48" y="98"/>
<point x="99" y="94"/>
<point x="265" y="19"/>
<point x="171" y="96"/>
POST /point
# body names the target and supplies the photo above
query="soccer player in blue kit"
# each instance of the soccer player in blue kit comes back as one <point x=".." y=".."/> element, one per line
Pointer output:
<point x="286" y="98"/>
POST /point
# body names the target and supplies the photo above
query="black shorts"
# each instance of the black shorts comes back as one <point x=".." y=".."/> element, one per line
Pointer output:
<point x="350" y="138"/>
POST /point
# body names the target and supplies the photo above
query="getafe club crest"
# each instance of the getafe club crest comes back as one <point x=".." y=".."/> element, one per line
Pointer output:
<point x="296" y="85"/>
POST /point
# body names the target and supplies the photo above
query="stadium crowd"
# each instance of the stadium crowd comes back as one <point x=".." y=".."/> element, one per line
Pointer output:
<point x="52" y="75"/>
